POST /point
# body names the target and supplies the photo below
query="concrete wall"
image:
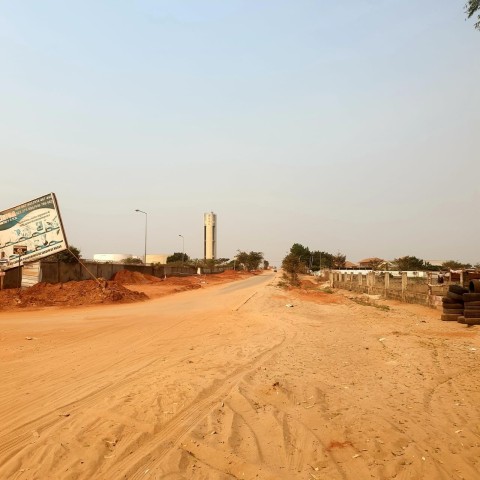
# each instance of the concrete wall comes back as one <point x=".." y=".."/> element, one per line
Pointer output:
<point x="421" y="290"/>
<point x="57" y="272"/>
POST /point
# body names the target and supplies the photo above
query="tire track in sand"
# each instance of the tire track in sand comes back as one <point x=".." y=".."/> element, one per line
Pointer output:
<point x="150" y="455"/>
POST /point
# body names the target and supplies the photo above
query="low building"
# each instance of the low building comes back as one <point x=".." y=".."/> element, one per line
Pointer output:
<point x="370" y="263"/>
<point x="112" y="257"/>
<point x="157" y="258"/>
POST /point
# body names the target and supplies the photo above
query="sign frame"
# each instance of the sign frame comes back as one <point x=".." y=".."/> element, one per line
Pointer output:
<point x="36" y="225"/>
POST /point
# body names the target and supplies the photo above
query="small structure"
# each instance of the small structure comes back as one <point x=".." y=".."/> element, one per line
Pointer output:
<point x="351" y="265"/>
<point x="370" y="263"/>
<point x="112" y="257"/>
<point x="157" y="258"/>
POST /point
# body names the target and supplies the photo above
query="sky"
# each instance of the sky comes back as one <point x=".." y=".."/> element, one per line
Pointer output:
<point x="347" y="127"/>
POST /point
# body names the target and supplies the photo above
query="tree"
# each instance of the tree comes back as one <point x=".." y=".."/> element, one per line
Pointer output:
<point x="375" y="263"/>
<point x="321" y="260"/>
<point x="471" y="8"/>
<point x="254" y="260"/>
<point x="132" y="261"/>
<point x="72" y="255"/>
<point x="454" y="265"/>
<point x="409" y="263"/>
<point x="242" y="258"/>
<point x="300" y="251"/>
<point x="178" y="257"/>
<point x="222" y="261"/>
<point x="292" y="265"/>
<point x="250" y="261"/>
<point x="339" y="260"/>
<point x="266" y="264"/>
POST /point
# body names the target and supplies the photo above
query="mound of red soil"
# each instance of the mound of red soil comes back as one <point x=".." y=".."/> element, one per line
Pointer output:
<point x="88" y="292"/>
<point x="125" y="277"/>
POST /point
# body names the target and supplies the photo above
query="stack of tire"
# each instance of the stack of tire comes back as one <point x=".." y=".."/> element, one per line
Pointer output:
<point x="453" y="303"/>
<point x="471" y="300"/>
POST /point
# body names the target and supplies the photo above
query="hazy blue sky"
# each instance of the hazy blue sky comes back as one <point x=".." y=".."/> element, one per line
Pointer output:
<point x="348" y="126"/>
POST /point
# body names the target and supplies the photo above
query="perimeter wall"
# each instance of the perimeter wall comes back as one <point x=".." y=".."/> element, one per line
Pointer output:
<point x="404" y="288"/>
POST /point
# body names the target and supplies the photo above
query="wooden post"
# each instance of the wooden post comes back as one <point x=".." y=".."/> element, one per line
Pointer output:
<point x="387" y="284"/>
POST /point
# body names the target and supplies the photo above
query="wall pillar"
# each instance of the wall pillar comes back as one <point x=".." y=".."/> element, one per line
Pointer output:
<point x="387" y="283"/>
<point x="404" y="284"/>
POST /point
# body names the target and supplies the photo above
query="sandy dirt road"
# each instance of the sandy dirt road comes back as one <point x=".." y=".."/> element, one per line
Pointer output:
<point x="228" y="383"/>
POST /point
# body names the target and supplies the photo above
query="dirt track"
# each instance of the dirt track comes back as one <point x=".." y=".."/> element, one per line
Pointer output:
<point x="227" y="382"/>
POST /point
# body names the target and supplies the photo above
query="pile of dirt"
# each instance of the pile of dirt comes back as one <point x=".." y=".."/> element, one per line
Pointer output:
<point x="125" y="277"/>
<point x="70" y="294"/>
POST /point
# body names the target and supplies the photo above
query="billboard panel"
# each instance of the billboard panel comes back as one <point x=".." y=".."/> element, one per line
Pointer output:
<point x="35" y="224"/>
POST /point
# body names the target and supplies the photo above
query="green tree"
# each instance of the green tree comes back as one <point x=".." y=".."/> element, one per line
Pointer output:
<point x="321" y="260"/>
<point x="72" y="255"/>
<point x="132" y="261"/>
<point x="292" y="266"/>
<point x="222" y="261"/>
<point x="409" y="263"/>
<point x="339" y="260"/>
<point x="242" y="259"/>
<point x="254" y="260"/>
<point x="302" y="252"/>
<point x="178" y="257"/>
<point x="249" y="261"/>
<point x="266" y="264"/>
<point x="454" y="265"/>
<point x="471" y="8"/>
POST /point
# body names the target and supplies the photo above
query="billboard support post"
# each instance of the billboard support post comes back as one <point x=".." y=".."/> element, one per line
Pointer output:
<point x="20" y="250"/>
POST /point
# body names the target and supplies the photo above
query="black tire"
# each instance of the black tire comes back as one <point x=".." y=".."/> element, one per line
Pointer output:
<point x="471" y="297"/>
<point x="472" y="321"/>
<point x="459" y="290"/>
<point x="449" y="300"/>
<point x="470" y="314"/>
<point x="471" y="307"/>
<point x="449" y="318"/>
<point x="455" y="306"/>
<point x="455" y="296"/>
<point x="474" y="286"/>
<point x="473" y="304"/>
<point x="453" y="312"/>
<point x="461" y="319"/>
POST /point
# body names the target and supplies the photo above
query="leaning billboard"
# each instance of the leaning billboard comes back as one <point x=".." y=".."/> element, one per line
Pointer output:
<point x="31" y="231"/>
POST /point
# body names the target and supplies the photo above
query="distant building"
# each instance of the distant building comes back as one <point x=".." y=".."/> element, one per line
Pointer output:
<point x="436" y="263"/>
<point x="351" y="265"/>
<point x="209" y="236"/>
<point x="112" y="257"/>
<point x="369" y="263"/>
<point x="157" y="258"/>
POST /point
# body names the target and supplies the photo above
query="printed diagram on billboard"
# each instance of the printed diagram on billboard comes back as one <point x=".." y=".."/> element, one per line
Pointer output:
<point x="35" y="224"/>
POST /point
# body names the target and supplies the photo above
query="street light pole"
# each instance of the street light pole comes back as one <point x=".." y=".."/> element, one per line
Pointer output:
<point x="183" y="249"/>
<point x="146" y="216"/>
